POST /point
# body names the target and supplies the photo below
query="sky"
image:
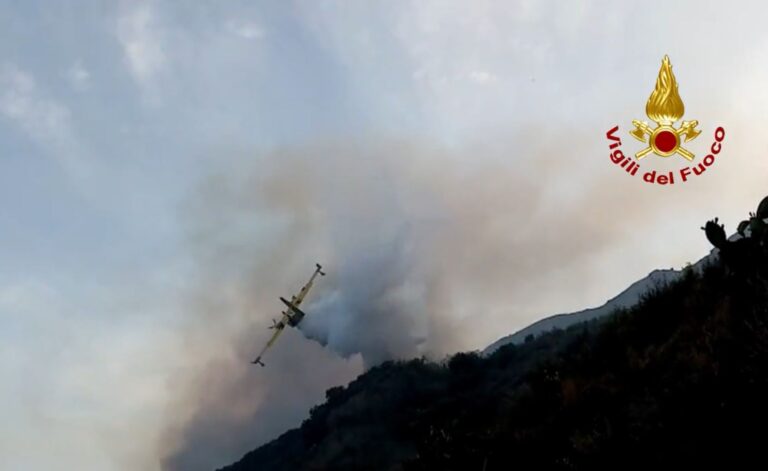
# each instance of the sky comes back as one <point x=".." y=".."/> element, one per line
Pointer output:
<point x="168" y="169"/>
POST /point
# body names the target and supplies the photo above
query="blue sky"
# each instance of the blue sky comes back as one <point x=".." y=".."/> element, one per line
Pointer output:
<point x="130" y="132"/>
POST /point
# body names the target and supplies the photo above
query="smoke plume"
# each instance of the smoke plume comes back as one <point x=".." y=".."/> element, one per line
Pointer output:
<point x="428" y="251"/>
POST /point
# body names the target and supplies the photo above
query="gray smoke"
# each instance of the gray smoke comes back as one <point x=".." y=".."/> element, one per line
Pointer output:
<point x="426" y="250"/>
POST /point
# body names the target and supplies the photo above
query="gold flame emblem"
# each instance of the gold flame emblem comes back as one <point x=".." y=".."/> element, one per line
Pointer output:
<point x="665" y="107"/>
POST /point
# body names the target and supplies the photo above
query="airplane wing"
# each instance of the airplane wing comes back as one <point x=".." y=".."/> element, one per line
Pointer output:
<point x="297" y="299"/>
<point x="278" y="331"/>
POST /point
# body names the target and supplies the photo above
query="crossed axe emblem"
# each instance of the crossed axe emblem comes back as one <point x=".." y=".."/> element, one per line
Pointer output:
<point x="687" y="129"/>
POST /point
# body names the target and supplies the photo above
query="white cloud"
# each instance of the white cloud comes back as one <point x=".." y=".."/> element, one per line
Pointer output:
<point x="45" y="120"/>
<point x="482" y="77"/>
<point x="140" y="37"/>
<point x="25" y="298"/>
<point x="78" y="76"/>
<point x="245" y="29"/>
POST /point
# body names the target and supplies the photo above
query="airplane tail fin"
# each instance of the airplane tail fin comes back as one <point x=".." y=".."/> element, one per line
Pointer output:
<point x="291" y="306"/>
<point x="298" y="314"/>
<point x="320" y="269"/>
<point x="258" y="362"/>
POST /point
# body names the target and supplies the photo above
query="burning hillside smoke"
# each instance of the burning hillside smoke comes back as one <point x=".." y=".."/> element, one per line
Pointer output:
<point x="425" y="252"/>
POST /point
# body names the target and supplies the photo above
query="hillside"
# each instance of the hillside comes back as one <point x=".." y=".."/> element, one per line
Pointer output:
<point x="624" y="300"/>
<point x="678" y="380"/>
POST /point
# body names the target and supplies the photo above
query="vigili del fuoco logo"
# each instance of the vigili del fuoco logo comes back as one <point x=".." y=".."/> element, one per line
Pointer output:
<point x="664" y="108"/>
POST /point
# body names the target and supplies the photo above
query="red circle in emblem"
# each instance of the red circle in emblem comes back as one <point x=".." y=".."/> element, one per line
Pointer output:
<point x="665" y="141"/>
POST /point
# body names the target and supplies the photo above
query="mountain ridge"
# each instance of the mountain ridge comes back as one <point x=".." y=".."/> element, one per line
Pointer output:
<point x="624" y="300"/>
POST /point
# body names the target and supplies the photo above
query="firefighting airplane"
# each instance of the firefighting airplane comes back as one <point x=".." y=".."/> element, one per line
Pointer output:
<point x="291" y="316"/>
